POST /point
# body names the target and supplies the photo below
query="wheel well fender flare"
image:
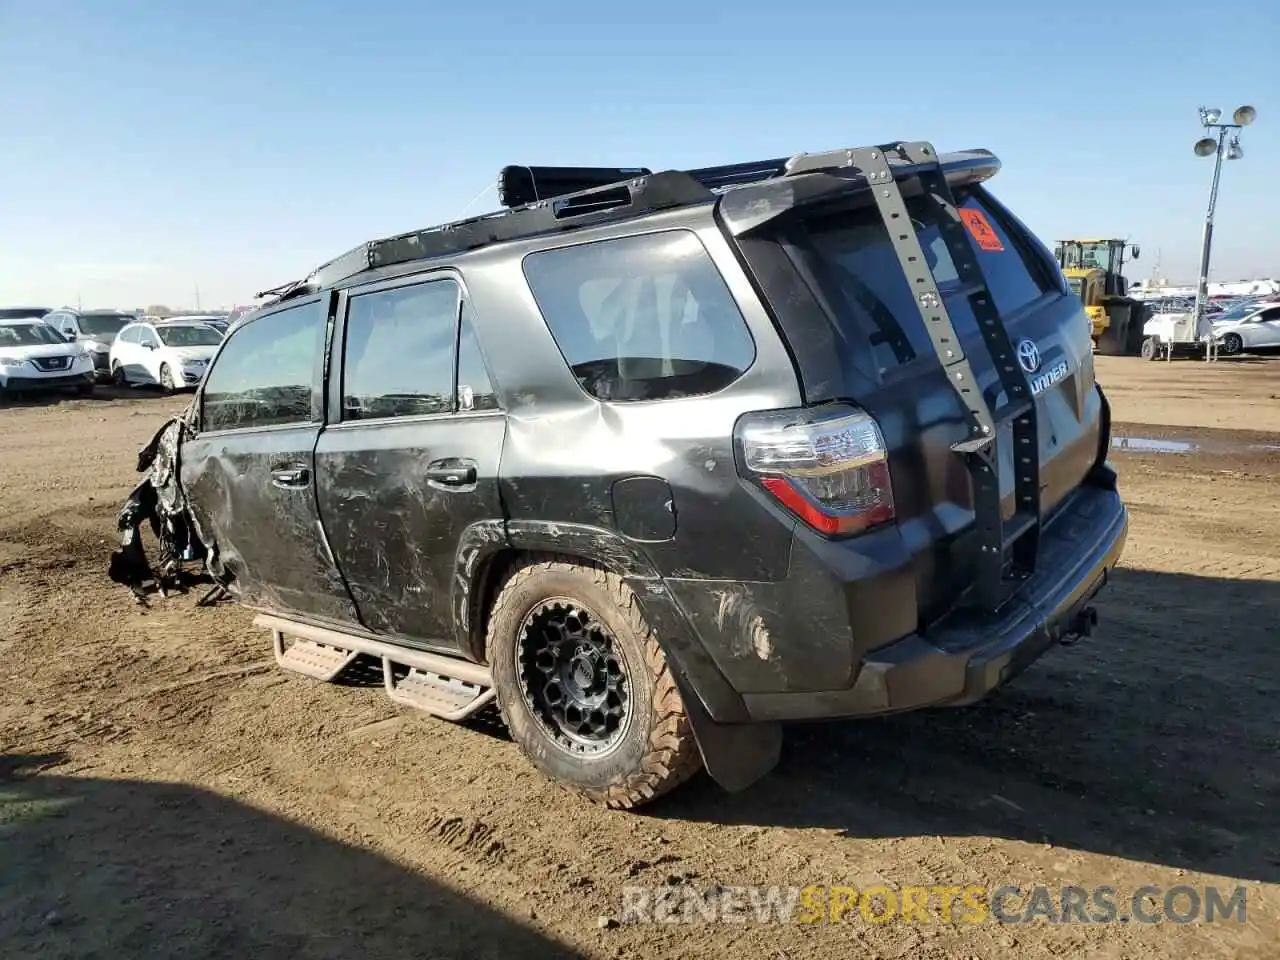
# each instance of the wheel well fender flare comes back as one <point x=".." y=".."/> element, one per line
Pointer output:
<point x="488" y="549"/>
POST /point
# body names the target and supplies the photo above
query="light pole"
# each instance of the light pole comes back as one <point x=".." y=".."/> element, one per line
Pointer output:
<point x="1213" y="145"/>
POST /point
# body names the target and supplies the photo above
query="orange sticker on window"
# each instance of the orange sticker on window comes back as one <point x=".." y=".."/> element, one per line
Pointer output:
<point x="980" y="229"/>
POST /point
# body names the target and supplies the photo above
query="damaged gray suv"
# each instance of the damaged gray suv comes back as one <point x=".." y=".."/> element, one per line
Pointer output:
<point x="659" y="461"/>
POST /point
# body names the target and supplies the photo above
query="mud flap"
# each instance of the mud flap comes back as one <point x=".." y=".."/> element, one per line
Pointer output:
<point x="735" y="755"/>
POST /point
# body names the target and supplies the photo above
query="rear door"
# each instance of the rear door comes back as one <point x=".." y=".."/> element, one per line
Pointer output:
<point x="125" y="353"/>
<point x="249" y="474"/>
<point x="409" y="460"/>
<point x="877" y="352"/>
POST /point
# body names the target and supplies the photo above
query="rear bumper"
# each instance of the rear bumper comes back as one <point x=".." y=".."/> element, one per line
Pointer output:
<point x="960" y="662"/>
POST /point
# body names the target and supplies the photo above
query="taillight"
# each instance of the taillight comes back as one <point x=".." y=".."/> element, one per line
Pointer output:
<point x="830" y="469"/>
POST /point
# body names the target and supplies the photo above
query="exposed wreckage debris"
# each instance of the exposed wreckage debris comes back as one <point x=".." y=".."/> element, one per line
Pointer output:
<point x="159" y="501"/>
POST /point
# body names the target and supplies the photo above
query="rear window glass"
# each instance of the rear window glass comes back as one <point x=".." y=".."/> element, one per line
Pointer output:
<point x="857" y="270"/>
<point x="642" y="318"/>
<point x="398" y="356"/>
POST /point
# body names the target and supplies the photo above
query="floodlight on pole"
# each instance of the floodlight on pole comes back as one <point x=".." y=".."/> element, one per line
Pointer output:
<point x="1215" y="145"/>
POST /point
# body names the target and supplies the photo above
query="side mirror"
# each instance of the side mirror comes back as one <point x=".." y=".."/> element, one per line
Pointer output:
<point x="1135" y="250"/>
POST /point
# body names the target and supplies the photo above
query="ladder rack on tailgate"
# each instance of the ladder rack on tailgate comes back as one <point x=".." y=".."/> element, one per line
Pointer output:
<point x="1006" y="551"/>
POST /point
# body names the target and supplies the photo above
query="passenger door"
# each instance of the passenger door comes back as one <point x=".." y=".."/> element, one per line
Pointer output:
<point x="409" y="457"/>
<point x="249" y="474"/>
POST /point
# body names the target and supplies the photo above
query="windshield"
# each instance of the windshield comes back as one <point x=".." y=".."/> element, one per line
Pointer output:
<point x="28" y="334"/>
<point x="194" y="335"/>
<point x="1098" y="254"/>
<point x="22" y="313"/>
<point x="105" y="325"/>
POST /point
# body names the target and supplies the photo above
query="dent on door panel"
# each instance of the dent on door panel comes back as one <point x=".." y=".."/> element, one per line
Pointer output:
<point x="270" y="541"/>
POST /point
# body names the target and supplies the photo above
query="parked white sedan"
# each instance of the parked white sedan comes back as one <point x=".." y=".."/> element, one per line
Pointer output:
<point x="171" y="353"/>
<point x="34" y="356"/>
<point x="1252" y="326"/>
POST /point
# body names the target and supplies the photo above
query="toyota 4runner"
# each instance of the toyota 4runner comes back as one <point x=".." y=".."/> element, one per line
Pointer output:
<point x="659" y="461"/>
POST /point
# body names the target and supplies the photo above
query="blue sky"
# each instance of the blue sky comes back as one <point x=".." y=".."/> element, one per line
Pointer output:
<point x="147" y="148"/>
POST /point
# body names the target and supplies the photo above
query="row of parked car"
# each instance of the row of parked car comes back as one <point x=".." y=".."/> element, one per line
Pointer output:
<point x="63" y="349"/>
<point x="1238" y="325"/>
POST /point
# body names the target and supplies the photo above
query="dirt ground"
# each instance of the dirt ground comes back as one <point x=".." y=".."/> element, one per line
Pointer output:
<point x="165" y="791"/>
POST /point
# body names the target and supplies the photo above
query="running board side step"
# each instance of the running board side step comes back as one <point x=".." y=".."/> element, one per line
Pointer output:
<point x="320" y="661"/>
<point x="442" y="686"/>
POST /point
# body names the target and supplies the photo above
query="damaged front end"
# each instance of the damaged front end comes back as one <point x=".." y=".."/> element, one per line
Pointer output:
<point x="158" y="500"/>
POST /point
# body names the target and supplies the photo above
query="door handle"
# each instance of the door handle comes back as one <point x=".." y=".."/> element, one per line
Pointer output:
<point x="291" y="477"/>
<point x="452" y="473"/>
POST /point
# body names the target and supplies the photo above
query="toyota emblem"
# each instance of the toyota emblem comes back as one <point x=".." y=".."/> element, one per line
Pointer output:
<point x="1029" y="356"/>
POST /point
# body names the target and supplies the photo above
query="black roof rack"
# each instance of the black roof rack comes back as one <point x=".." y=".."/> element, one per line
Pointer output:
<point x="547" y="199"/>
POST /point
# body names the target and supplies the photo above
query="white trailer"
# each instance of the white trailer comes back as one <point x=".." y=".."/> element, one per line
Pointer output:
<point x="1167" y="335"/>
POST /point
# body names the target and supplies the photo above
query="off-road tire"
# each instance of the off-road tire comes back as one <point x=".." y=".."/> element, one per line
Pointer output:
<point x="1136" y="333"/>
<point x="166" y="379"/>
<point x="657" y="752"/>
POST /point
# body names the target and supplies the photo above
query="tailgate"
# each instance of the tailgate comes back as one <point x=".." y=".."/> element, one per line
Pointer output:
<point x="863" y="338"/>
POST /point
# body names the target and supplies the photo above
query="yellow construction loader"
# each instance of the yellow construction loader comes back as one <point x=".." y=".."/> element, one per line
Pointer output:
<point x="1094" y="268"/>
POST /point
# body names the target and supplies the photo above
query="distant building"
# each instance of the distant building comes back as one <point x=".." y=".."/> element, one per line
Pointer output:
<point x="1153" y="289"/>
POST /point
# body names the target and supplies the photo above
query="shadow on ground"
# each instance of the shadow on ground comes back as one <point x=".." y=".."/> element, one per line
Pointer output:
<point x="93" y="868"/>
<point x="1157" y="740"/>
<point x="102" y="393"/>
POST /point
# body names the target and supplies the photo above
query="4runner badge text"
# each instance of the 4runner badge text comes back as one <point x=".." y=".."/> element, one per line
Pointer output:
<point x="1029" y="360"/>
<point x="1047" y="379"/>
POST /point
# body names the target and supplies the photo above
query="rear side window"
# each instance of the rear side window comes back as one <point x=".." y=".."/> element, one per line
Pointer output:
<point x="263" y="374"/>
<point x="398" y="353"/>
<point x="642" y="318"/>
<point x="857" y="270"/>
